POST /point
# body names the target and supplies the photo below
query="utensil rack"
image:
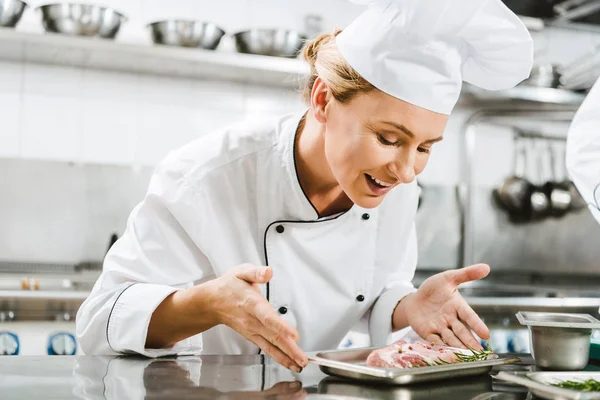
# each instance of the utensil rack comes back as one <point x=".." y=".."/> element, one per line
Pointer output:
<point x="491" y="114"/>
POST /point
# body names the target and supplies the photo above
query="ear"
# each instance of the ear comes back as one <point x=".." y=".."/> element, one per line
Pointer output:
<point x="319" y="99"/>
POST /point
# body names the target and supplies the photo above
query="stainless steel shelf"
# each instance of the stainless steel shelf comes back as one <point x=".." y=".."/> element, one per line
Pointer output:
<point x="529" y="93"/>
<point x="534" y="302"/>
<point x="103" y="54"/>
<point x="43" y="295"/>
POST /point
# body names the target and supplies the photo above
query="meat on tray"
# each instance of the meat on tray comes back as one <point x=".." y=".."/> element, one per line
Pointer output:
<point x="410" y="355"/>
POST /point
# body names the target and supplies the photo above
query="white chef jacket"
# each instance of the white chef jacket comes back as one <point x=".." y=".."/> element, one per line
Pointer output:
<point x="234" y="197"/>
<point x="583" y="150"/>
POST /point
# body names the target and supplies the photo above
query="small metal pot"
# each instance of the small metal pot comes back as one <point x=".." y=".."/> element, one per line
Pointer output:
<point x="11" y="12"/>
<point x="270" y="42"/>
<point x="560" y="348"/>
<point x="558" y="192"/>
<point x="544" y="75"/>
<point x="198" y="34"/>
<point x="81" y="20"/>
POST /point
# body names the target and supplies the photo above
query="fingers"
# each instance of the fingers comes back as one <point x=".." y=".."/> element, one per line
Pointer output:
<point x="468" y="274"/>
<point x="275" y="353"/>
<point x="450" y="339"/>
<point x="273" y="322"/>
<point x="287" y="346"/>
<point x="434" y="338"/>
<point x="464" y="335"/>
<point x="466" y="314"/>
<point x="254" y="274"/>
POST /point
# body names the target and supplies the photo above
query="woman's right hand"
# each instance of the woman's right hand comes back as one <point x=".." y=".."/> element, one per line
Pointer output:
<point x="244" y="309"/>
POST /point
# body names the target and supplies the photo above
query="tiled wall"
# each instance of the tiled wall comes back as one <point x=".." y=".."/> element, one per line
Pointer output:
<point x="116" y="126"/>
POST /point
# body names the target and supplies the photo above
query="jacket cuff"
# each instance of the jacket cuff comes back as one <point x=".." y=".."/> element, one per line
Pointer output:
<point x="380" y="322"/>
<point x="129" y="319"/>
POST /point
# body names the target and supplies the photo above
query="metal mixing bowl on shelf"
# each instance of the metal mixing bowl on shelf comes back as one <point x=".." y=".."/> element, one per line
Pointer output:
<point x="11" y="12"/>
<point x="270" y="42"/>
<point x="81" y="20"/>
<point x="204" y="35"/>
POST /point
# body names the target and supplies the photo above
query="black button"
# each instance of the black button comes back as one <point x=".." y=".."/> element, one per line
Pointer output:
<point x="360" y="297"/>
<point x="282" y="310"/>
<point x="366" y="216"/>
<point x="280" y="229"/>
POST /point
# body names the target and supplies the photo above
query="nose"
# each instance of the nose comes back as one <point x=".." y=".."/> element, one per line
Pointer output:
<point x="404" y="166"/>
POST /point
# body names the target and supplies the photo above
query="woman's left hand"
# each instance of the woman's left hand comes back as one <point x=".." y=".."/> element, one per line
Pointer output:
<point x="438" y="313"/>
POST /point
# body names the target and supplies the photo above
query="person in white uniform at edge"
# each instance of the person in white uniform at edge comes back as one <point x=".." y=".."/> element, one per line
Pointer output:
<point x="282" y="236"/>
<point x="583" y="150"/>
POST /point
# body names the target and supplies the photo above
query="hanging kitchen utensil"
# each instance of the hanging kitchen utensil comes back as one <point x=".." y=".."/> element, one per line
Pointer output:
<point x="544" y="75"/>
<point x="514" y="193"/>
<point x="558" y="192"/>
<point x="113" y="239"/>
<point x="540" y="203"/>
<point x="577" y="201"/>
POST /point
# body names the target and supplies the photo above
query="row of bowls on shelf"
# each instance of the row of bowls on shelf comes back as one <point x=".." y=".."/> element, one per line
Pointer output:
<point x="104" y="22"/>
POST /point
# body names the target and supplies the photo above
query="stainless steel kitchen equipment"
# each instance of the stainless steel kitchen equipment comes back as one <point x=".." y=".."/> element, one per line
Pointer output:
<point x="540" y="203"/>
<point x="514" y="195"/>
<point x="558" y="192"/>
<point x="11" y="12"/>
<point x="351" y="364"/>
<point x="270" y="42"/>
<point x="81" y="20"/>
<point x="199" y="34"/>
<point x="540" y="384"/>
<point x="544" y="75"/>
<point x="559" y="341"/>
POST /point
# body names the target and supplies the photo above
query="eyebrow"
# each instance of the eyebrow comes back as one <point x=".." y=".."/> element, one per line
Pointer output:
<point x="409" y="133"/>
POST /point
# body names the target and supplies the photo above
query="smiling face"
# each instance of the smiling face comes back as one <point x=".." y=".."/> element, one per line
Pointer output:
<point x="375" y="141"/>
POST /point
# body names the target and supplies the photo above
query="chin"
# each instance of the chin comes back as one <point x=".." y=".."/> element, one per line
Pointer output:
<point x="364" y="201"/>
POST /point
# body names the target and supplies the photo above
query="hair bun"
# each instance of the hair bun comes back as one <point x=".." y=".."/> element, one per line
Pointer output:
<point x="311" y="50"/>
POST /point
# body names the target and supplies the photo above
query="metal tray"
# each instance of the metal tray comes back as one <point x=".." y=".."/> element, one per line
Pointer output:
<point x="558" y="320"/>
<point x="352" y="364"/>
<point x="538" y="383"/>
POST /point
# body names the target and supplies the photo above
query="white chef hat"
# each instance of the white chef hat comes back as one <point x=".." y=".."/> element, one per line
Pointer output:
<point x="420" y="51"/>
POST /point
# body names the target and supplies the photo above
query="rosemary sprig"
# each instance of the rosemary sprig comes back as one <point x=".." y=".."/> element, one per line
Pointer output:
<point x="591" y="385"/>
<point x="478" y="355"/>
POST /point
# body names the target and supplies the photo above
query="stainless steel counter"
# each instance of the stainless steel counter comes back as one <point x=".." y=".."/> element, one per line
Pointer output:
<point x="212" y="377"/>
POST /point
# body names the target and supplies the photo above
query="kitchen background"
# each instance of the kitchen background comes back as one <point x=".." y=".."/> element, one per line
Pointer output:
<point x="83" y="121"/>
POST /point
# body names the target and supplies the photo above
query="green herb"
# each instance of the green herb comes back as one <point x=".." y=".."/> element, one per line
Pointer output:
<point x="478" y="355"/>
<point x="591" y="385"/>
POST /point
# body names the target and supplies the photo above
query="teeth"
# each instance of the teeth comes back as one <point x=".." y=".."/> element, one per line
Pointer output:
<point x="384" y="184"/>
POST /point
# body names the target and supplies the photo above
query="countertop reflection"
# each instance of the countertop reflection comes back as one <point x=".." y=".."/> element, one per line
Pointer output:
<point x="210" y="377"/>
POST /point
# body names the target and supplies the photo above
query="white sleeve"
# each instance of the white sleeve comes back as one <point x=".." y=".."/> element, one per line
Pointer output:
<point x="583" y="150"/>
<point x="157" y="255"/>
<point x="398" y="286"/>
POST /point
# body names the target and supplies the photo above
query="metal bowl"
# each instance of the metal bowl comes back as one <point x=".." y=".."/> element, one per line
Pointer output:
<point x="270" y="42"/>
<point x="11" y="12"/>
<point x="81" y="20"/>
<point x="205" y="35"/>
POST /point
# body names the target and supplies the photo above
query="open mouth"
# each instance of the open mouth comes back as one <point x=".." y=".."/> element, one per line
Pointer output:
<point x="378" y="183"/>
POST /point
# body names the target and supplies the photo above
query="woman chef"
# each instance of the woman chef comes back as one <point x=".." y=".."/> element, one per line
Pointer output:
<point x="325" y="198"/>
<point x="583" y="150"/>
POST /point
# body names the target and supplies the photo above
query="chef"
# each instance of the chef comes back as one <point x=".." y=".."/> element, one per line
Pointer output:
<point x="280" y="236"/>
<point x="583" y="150"/>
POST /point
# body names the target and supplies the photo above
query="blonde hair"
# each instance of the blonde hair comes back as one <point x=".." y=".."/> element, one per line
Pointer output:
<point x="327" y="62"/>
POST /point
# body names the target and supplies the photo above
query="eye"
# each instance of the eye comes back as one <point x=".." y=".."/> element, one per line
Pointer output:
<point x="384" y="141"/>
<point x="424" y="150"/>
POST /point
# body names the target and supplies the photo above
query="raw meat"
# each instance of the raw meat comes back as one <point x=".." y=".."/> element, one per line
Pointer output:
<point x="410" y="355"/>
